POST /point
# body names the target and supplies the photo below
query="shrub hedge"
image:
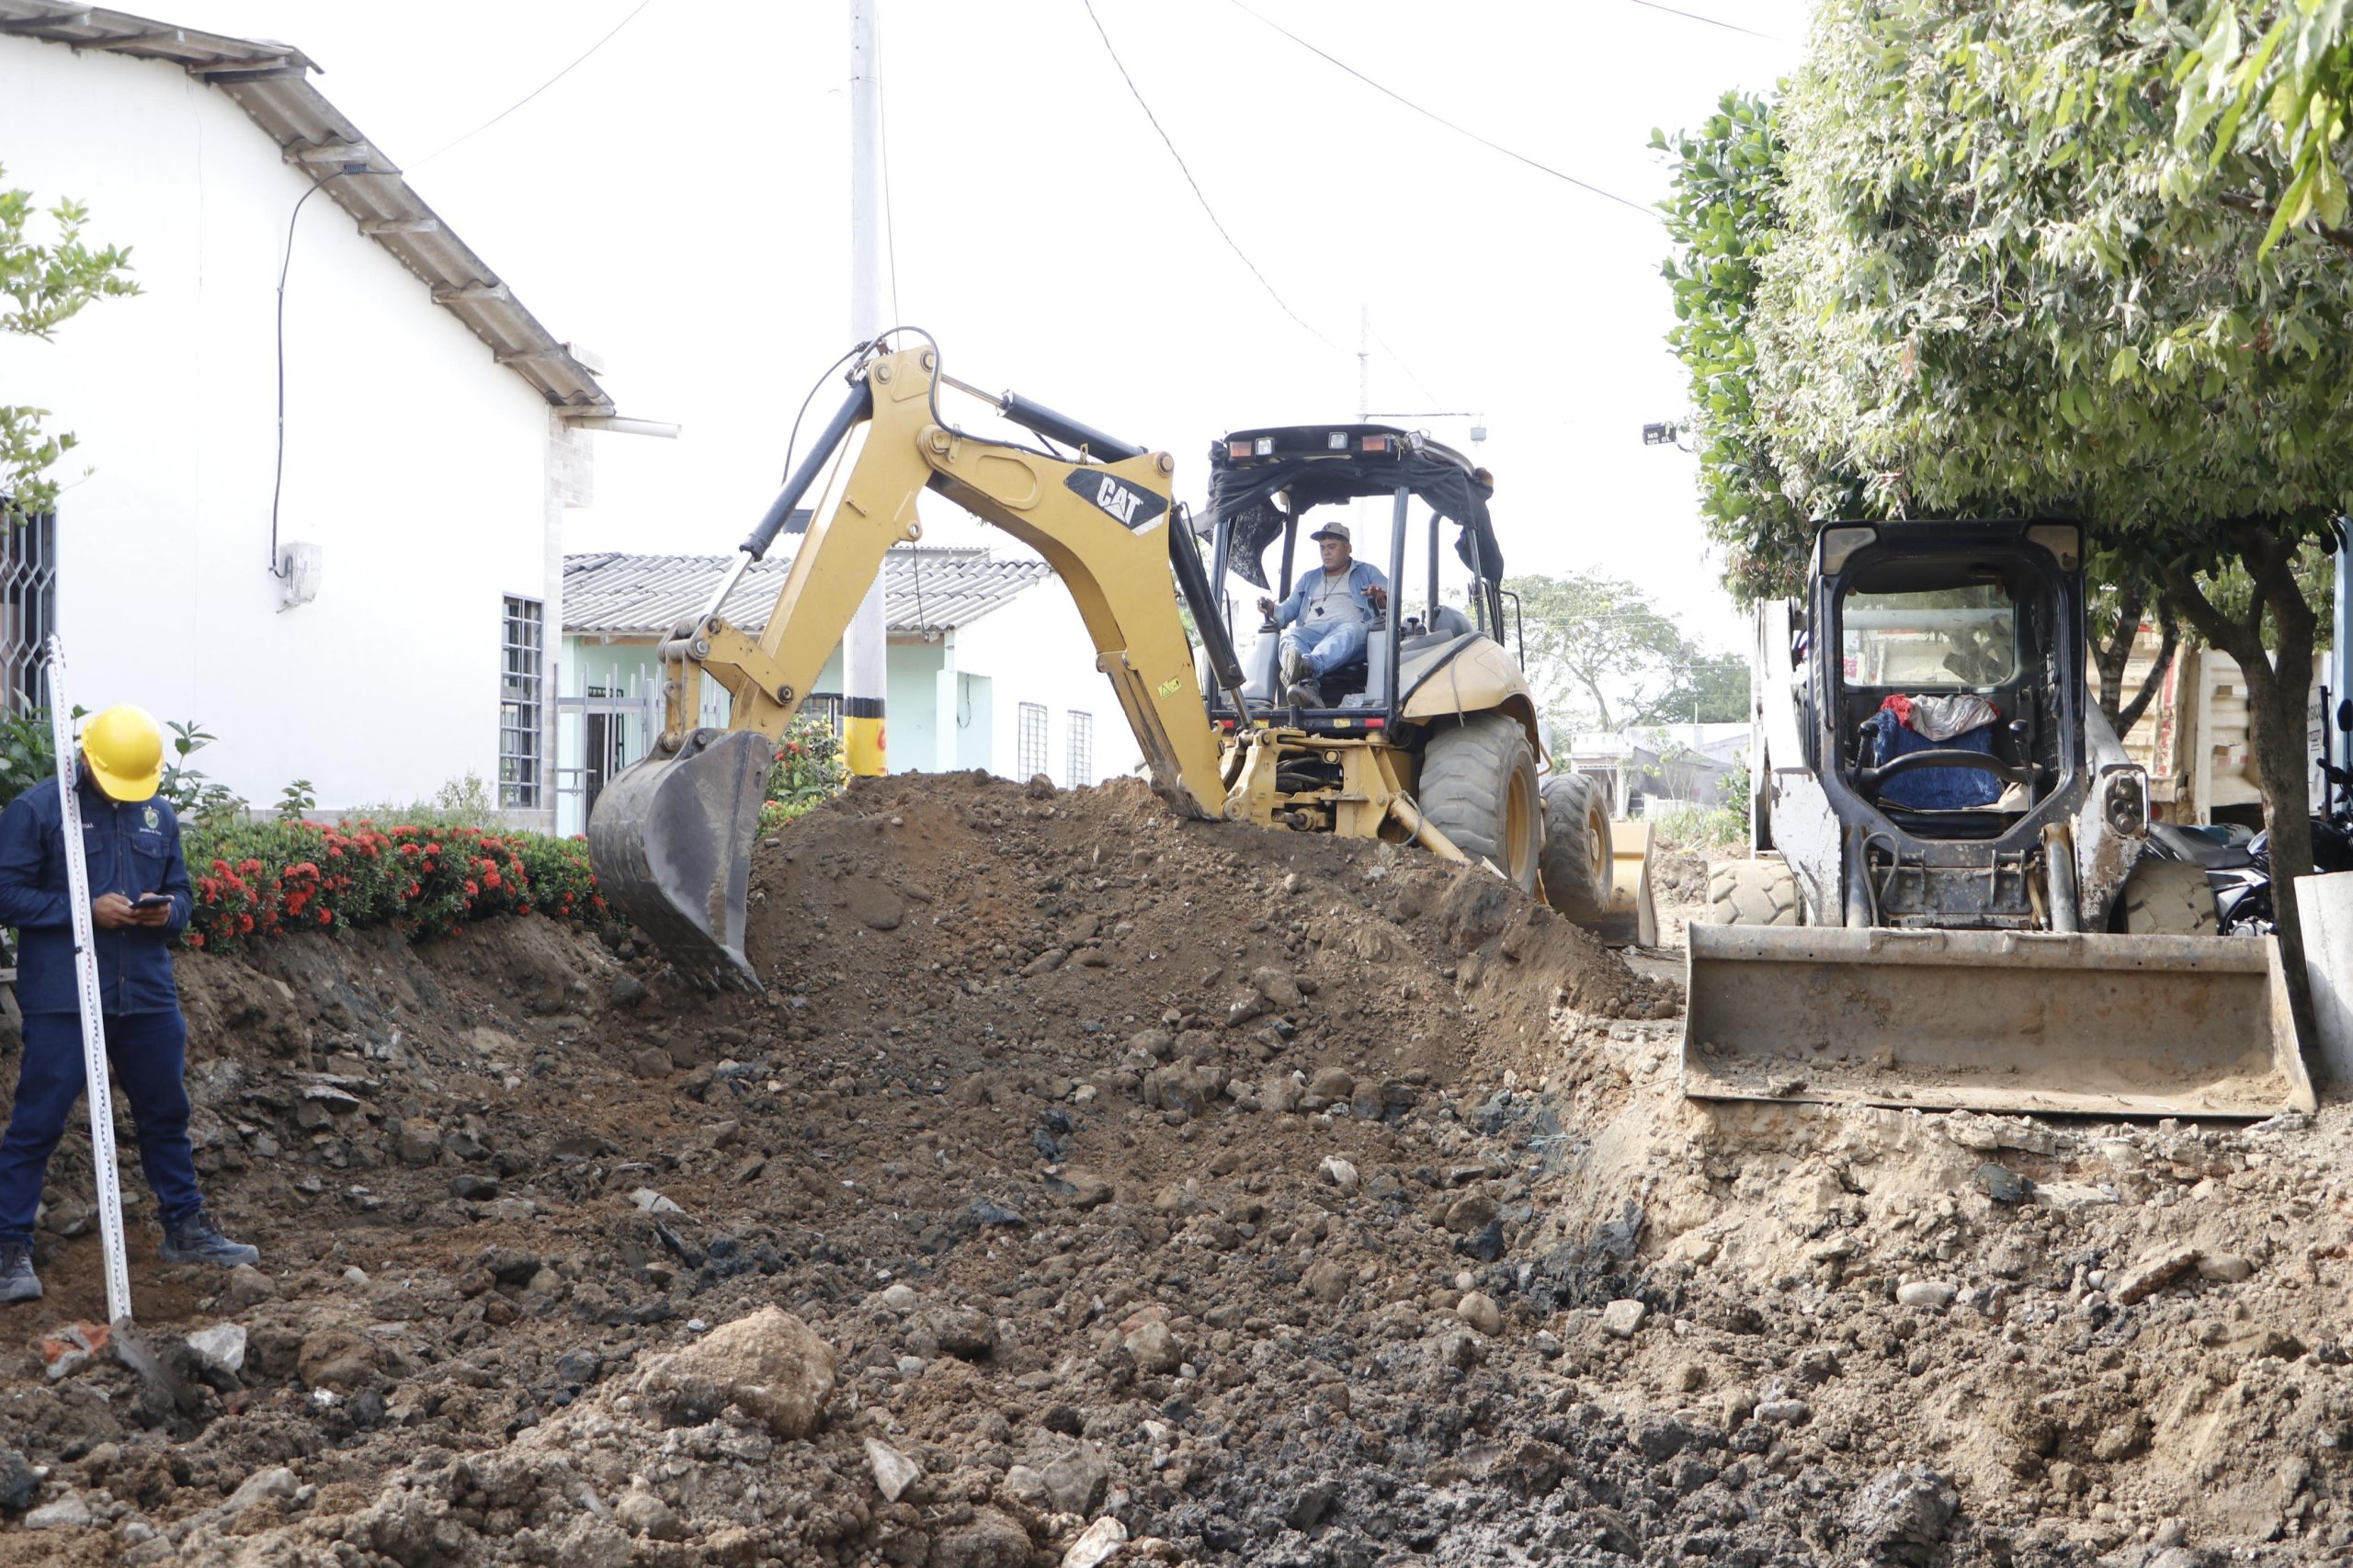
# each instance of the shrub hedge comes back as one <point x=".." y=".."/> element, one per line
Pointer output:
<point x="264" y="879"/>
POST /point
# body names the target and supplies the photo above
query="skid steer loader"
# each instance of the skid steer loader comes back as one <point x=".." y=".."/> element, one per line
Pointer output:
<point x="1437" y="746"/>
<point x="1947" y="904"/>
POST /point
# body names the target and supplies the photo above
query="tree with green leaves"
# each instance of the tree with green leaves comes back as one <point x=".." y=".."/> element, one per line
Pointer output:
<point x="2014" y="273"/>
<point x="1710" y="689"/>
<point x="1724" y="212"/>
<point x="47" y="283"/>
<point x="1601" y="655"/>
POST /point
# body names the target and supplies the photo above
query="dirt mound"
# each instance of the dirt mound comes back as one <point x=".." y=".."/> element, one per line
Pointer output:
<point x="1086" y="1178"/>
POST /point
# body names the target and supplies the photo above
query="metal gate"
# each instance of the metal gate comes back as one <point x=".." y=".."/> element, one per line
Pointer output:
<point x="28" y="608"/>
<point x="615" y="730"/>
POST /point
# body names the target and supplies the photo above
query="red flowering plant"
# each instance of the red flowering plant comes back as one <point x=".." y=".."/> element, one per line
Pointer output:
<point x="256" y="879"/>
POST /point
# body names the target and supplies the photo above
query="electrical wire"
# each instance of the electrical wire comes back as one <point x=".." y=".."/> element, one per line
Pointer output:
<point x="535" y="92"/>
<point x="1199" y="194"/>
<point x="792" y="442"/>
<point x="1402" y="366"/>
<point x="286" y="265"/>
<point x="1451" y="125"/>
<point x="1711" y="21"/>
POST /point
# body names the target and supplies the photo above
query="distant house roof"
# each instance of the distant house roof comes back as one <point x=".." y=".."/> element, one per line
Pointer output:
<point x="613" y="595"/>
<point x="270" y="83"/>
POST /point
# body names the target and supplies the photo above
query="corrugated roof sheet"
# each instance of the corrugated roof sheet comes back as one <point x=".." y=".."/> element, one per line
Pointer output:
<point x="613" y="595"/>
<point x="270" y="83"/>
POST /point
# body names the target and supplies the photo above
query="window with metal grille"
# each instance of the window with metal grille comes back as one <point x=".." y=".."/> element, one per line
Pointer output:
<point x="520" y="651"/>
<point x="1082" y="747"/>
<point x="1030" y="754"/>
<point x="28" y="608"/>
<point x="826" y="705"/>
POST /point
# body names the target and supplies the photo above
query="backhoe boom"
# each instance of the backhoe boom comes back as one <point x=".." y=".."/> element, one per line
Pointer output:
<point x="671" y="835"/>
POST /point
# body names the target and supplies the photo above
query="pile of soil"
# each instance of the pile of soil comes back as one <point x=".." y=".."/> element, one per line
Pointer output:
<point x="1091" y="1185"/>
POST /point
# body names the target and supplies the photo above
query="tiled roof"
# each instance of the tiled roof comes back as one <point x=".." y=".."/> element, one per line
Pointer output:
<point x="611" y="593"/>
<point x="271" y="82"/>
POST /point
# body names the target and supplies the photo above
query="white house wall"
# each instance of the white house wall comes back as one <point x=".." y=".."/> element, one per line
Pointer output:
<point x="1037" y="650"/>
<point x="417" y="464"/>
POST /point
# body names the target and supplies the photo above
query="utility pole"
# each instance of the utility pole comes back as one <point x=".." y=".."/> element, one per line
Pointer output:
<point x="866" y="645"/>
<point x="1364" y="363"/>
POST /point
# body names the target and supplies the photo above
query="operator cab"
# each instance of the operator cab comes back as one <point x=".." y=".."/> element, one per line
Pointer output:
<point x="1944" y="656"/>
<point x="1943" y="714"/>
<point x="1275" y="487"/>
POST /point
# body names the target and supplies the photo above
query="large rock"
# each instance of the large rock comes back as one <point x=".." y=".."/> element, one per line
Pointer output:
<point x="1076" y="1481"/>
<point x="893" y="1472"/>
<point x="335" y="1359"/>
<point x="1095" y="1544"/>
<point x="770" y="1365"/>
<point x="222" y="1346"/>
<point x="1903" y="1515"/>
<point x="990" y="1541"/>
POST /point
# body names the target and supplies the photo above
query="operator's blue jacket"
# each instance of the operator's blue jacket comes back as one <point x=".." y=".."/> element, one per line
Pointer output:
<point x="133" y="847"/>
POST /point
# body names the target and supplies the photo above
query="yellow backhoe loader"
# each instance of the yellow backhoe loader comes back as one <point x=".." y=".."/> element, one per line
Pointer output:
<point x="1432" y="739"/>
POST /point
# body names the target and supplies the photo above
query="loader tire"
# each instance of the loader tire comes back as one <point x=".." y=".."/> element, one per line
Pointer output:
<point x="1478" y="786"/>
<point x="1752" y="893"/>
<point x="2168" y="898"/>
<point x="1576" y="859"/>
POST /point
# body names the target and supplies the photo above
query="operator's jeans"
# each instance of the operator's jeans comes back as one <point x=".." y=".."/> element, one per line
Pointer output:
<point x="148" y="1052"/>
<point x="1327" y="647"/>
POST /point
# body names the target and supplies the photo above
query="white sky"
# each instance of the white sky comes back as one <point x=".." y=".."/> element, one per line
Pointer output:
<point x="679" y="204"/>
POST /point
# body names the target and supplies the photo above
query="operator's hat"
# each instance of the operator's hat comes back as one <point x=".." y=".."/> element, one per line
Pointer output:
<point x="1333" y="530"/>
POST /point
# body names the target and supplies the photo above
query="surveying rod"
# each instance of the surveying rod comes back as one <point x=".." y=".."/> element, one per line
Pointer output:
<point x="98" y="1086"/>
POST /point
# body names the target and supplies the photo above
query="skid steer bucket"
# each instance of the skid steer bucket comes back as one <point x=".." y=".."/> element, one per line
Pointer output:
<point x="671" y="841"/>
<point x="1630" y="919"/>
<point x="1991" y="1020"/>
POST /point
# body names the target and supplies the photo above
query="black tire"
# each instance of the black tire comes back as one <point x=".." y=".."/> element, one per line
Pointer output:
<point x="1576" y="859"/>
<point x="1752" y="892"/>
<point x="1478" y="786"/>
<point x="2168" y="898"/>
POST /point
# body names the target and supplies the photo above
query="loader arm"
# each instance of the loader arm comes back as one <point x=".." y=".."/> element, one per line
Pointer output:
<point x="671" y="838"/>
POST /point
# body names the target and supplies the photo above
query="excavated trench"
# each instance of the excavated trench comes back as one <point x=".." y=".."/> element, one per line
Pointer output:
<point x="1089" y="1181"/>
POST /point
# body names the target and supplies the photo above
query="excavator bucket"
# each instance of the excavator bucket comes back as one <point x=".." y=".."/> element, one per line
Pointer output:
<point x="1990" y="1021"/>
<point x="1630" y="919"/>
<point x="671" y="840"/>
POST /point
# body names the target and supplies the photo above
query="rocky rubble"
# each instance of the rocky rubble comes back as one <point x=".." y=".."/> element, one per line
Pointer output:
<point x="1089" y="1188"/>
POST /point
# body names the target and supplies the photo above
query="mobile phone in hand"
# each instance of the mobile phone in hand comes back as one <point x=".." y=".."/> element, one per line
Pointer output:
<point x="151" y="900"/>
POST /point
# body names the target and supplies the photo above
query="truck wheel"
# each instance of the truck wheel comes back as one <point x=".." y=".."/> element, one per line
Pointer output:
<point x="1576" y="858"/>
<point x="2168" y="898"/>
<point x="1478" y="786"/>
<point x="1752" y="893"/>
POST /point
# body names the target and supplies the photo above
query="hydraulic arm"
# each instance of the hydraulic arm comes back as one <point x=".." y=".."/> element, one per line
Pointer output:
<point x="671" y="837"/>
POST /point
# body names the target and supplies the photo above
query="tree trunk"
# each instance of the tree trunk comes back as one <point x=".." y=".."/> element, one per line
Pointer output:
<point x="2170" y="628"/>
<point x="1591" y="681"/>
<point x="2111" y="655"/>
<point x="2279" y="685"/>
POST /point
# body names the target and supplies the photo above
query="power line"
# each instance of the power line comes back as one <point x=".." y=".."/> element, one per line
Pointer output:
<point x="1451" y="125"/>
<point x="1711" y="21"/>
<point x="1417" y="381"/>
<point x="1197" y="193"/>
<point x="535" y="92"/>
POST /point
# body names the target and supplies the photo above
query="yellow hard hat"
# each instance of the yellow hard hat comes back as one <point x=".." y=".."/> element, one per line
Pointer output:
<point x="125" y="748"/>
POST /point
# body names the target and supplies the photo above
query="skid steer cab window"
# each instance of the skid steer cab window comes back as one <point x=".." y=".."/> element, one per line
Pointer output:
<point x="1942" y="637"/>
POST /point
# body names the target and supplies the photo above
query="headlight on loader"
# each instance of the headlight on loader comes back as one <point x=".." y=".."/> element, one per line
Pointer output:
<point x="2128" y="802"/>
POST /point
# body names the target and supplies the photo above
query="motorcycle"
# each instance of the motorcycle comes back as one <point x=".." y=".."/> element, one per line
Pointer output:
<point x="2238" y="869"/>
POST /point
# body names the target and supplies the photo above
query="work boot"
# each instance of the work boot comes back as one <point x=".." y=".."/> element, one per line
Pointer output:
<point x="1304" y="694"/>
<point x="1295" y="665"/>
<point x="198" y="1240"/>
<point x="18" y="1280"/>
